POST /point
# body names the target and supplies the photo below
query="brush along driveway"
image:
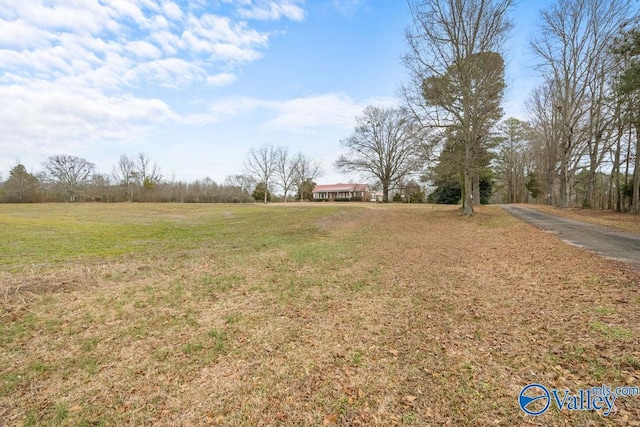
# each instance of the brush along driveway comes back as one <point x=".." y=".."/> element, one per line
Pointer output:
<point x="610" y="243"/>
<point x="304" y="315"/>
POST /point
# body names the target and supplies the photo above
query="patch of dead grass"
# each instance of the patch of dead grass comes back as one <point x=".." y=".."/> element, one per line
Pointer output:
<point x="408" y="316"/>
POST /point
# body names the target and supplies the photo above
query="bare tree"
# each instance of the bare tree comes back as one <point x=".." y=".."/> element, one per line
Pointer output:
<point x="245" y="183"/>
<point x="70" y="171"/>
<point x="573" y="45"/>
<point x="261" y="164"/>
<point x="307" y="170"/>
<point x="148" y="174"/>
<point x="456" y="72"/>
<point x="236" y="188"/>
<point x="513" y="156"/>
<point x="628" y="85"/>
<point x="125" y="173"/>
<point x="285" y="170"/>
<point x="136" y="173"/>
<point x="101" y="187"/>
<point x="544" y="121"/>
<point x="385" y="145"/>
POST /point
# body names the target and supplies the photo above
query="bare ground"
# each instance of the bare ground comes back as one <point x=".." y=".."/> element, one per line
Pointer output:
<point x="423" y="317"/>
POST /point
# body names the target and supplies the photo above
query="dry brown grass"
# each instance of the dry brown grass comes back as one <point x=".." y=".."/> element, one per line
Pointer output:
<point x="390" y="315"/>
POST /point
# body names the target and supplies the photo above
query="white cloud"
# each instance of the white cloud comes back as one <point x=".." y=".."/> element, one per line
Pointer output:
<point x="84" y="40"/>
<point x="124" y="9"/>
<point x="222" y="79"/>
<point x="298" y="114"/>
<point x="224" y="109"/>
<point x="55" y="117"/>
<point x="72" y="69"/>
<point x="336" y="110"/>
<point x="62" y="16"/>
<point x="223" y="39"/>
<point x="324" y="110"/>
<point x="21" y="35"/>
<point x="273" y="10"/>
<point x="169" y="72"/>
<point x="169" y="42"/>
<point x="144" y="50"/>
<point x="172" y="11"/>
<point x="158" y="22"/>
<point x="348" y="7"/>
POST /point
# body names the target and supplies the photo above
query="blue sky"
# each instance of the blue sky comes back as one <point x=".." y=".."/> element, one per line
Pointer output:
<point x="194" y="84"/>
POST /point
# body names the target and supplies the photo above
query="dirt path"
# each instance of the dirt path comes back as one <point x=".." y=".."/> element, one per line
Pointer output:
<point x="606" y="242"/>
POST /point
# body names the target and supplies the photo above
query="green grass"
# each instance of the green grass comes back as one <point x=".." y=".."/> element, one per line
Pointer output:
<point x="59" y="233"/>
<point x="616" y="332"/>
<point x="219" y="338"/>
<point x="603" y="311"/>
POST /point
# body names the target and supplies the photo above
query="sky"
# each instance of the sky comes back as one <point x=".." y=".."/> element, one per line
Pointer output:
<point x="194" y="84"/>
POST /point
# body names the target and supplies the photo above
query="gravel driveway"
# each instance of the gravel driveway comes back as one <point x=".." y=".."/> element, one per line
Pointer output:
<point x="607" y="242"/>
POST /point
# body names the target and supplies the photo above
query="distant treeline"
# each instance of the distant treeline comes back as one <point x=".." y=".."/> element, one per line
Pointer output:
<point x="98" y="190"/>
<point x="73" y="179"/>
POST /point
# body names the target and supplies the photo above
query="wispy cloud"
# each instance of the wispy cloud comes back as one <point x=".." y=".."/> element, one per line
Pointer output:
<point x="55" y="117"/>
<point x="71" y="71"/>
<point x="273" y="10"/>
<point x="348" y="7"/>
<point x="296" y="115"/>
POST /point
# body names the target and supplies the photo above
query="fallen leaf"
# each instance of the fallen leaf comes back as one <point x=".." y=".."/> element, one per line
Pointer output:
<point x="332" y="418"/>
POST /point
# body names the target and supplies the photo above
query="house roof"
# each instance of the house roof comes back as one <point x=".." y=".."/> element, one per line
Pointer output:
<point x="340" y="187"/>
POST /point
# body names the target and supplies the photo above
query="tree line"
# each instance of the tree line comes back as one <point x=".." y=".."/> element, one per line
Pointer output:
<point x="67" y="178"/>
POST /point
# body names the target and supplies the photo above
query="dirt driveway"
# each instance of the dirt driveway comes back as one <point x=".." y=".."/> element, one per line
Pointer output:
<point x="607" y="242"/>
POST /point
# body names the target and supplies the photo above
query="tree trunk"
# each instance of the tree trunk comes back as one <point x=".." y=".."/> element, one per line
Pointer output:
<point x="513" y="198"/>
<point x="635" y="200"/>
<point x="476" y="188"/>
<point x="590" y="199"/>
<point x="467" y="196"/>
<point x="616" y="174"/>
<point x="385" y="192"/>
<point x="564" y="182"/>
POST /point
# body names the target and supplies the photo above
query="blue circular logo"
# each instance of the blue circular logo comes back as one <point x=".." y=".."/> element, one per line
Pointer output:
<point x="533" y="397"/>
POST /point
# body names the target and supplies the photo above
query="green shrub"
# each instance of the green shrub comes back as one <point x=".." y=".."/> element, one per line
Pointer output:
<point x="448" y="193"/>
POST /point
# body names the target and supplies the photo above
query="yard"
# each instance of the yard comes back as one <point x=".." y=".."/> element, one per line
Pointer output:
<point x="312" y="314"/>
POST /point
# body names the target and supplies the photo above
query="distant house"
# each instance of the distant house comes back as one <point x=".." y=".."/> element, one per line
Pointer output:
<point x="342" y="193"/>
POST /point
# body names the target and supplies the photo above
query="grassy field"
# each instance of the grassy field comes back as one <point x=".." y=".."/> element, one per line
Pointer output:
<point x="317" y="314"/>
